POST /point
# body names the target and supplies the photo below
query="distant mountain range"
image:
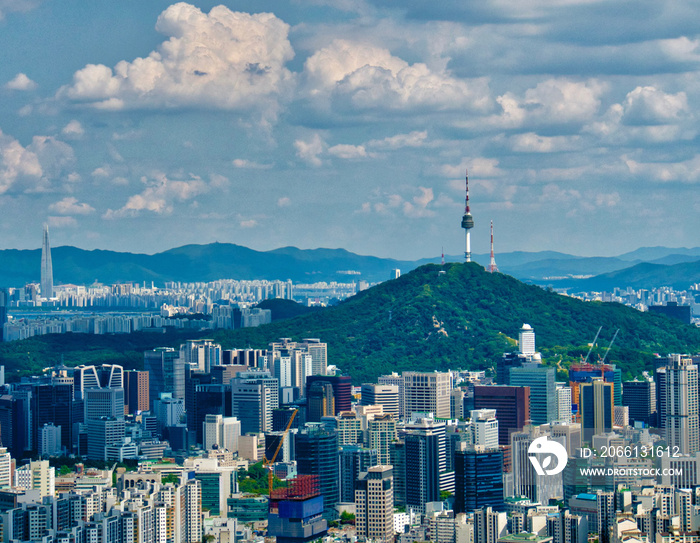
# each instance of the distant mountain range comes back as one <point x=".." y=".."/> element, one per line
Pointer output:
<point x="647" y="267"/>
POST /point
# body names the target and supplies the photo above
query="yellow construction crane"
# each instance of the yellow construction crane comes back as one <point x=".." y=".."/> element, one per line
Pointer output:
<point x="268" y="463"/>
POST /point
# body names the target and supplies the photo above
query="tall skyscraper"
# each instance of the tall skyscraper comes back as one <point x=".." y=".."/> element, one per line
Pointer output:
<point x="136" y="391"/>
<point x="381" y="432"/>
<point x="478" y="478"/>
<point x="353" y="461"/>
<point x="564" y="404"/>
<point x="166" y="371"/>
<point x="385" y="395"/>
<point x="512" y="405"/>
<point x="46" y="266"/>
<point x="342" y="389"/>
<point x="485" y="427"/>
<point x="543" y="399"/>
<point x="255" y="395"/>
<point x="640" y="397"/>
<point x="426" y="463"/>
<point x="317" y="454"/>
<point x="681" y="404"/>
<point x="374" y="505"/>
<point x="427" y="392"/>
<point x="597" y="409"/>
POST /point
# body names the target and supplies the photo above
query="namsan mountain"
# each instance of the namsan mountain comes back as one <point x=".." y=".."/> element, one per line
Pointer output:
<point x="456" y="316"/>
<point x="460" y="316"/>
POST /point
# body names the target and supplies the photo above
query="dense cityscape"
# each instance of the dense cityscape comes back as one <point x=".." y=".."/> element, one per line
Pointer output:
<point x="255" y="315"/>
<point x="237" y="445"/>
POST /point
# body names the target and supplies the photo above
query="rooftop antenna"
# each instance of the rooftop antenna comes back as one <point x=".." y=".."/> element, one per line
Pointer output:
<point x="492" y="264"/>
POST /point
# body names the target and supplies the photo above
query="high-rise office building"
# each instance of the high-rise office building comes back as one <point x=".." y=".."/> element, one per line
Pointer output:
<point x="342" y="389"/>
<point x="681" y="404"/>
<point x="46" y="266"/>
<point x="585" y="373"/>
<point x="543" y="399"/>
<point x="426" y="463"/>
<point x="564" y="414"/>
<point x="381" y="432"/>
<point x="166" y="371"/>
<point x="255" y="395"/>
<point x="640" y="397"/>
<point x="102" y="433"/>
<point x="13" y="428"/>
<point x="374" y="505"/>
<point x="478" y="478"/>
<point x="103" y="402"/>
<point x="385" y="395"/>
<point x="485" y="427"/>
<point x="211" y="400"/>
<point x="526" y="481"/>
<point x="53" y="403"/>
<point x="201" y="354"/>
<point x="394" y="380"/>
<point x="221" y="432"/>
<point x="136" y="391"/>
<point x="317" y="454"/>
<point x="512" y="405"/>
<point x="597" y="408"/>
<point x="320" y="401"/>
<point x="319" y="355"/>
<point x="427" y="393"/>
<point x="353" y="461"/>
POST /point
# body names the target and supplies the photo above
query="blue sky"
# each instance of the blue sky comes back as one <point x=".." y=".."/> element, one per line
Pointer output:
<point x="141" y="126"/>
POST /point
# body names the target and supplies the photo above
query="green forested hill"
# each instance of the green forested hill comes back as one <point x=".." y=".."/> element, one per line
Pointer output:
<point x="462" y="318"/>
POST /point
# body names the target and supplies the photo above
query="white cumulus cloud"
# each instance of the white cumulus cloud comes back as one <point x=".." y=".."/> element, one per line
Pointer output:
<point x="310" y="151"/>
<point x="160" y="196"/>
<point x="71" y="206"/>
<point x="73" y="129"/>
<point x="348" y="151"/>
<point x="21" y="82"/>
<point x="221" y="59"/>
<point x="362" y="76"/>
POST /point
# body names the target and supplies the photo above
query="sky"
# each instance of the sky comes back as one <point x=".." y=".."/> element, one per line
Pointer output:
<point x="141" y="126"/>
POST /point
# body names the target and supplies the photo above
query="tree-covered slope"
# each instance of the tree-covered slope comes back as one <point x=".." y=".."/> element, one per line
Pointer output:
<point x="463" y="318"/>
<point x="425" y="320"/>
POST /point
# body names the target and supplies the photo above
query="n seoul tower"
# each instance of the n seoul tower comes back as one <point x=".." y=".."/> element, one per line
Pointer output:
<point x="467" y="224"/>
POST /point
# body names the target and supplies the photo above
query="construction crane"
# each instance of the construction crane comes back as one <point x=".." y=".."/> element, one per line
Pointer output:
<point x="609" y="346"/>
<point x="593" y="344"/>
<point x="268" y="463"/>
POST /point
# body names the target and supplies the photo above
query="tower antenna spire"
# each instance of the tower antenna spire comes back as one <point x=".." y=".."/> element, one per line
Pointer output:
<point x="467" y="223"/>
<point x="492" y="263"/>
<point x="443" y="256"/>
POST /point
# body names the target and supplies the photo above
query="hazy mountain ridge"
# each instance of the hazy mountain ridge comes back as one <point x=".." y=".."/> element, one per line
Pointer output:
<point x="214" y="261"/>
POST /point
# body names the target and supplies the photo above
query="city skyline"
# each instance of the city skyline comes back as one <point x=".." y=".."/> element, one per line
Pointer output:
<point x="350" y="124"/>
